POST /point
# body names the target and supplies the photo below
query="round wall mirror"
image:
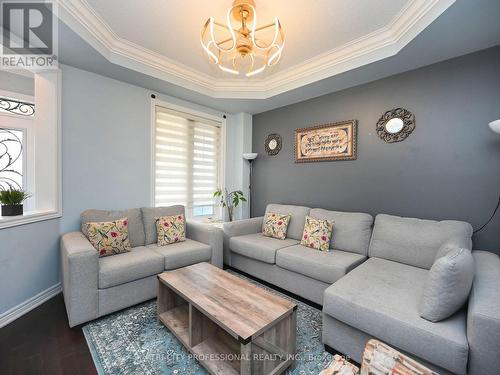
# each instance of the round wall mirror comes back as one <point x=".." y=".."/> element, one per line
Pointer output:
<point x="273" y="144"/>
<point x="396" y="125"/>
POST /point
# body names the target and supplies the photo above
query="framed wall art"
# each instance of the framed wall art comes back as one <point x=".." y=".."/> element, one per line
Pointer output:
<point x="328" y="142"/>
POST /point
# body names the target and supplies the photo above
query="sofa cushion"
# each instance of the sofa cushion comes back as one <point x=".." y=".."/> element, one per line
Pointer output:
<point x="447" y="286"/>
<point x="297" y="221"/>
<point x="414" y="241"/>
<point x="258" y="246"/>
<point x="181" y="254"/>
<point x="326" y="266"/>
<point x="381" y="297"/>
<point x="351" y="230"/>
<point x="149" y="215"/>
<point x="134" y="216"/>
<point x="121" y="268"/>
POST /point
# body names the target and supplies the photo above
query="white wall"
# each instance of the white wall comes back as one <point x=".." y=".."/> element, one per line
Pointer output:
<point x="238" y="141"/>
<point x="105" y="164"/>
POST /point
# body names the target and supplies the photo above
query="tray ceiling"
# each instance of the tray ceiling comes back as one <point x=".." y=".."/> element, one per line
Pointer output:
<point x="323" y="38"/>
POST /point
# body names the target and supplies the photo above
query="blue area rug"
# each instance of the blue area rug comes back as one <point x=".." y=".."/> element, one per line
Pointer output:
<point x="131" y="341"/>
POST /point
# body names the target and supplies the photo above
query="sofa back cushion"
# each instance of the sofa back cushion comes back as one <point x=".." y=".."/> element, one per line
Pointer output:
<point x="414" y="241"/>
<point x="351" y="230"/>
<point x="297" y="220"/>
<point x="134" y="216"/>
<point x="149" y="215"/>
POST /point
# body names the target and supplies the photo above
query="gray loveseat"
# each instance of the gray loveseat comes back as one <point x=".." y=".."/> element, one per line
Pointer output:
<point x="94" y="286"/>
<point x="371" y="282"/>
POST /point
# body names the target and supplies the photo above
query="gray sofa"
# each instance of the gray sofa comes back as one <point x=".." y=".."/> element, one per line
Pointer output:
<point x="94" y="286"/>
<point x="371" y="283"/>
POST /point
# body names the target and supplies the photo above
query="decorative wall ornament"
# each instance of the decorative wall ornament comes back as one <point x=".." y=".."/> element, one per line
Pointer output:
<point x="11" y="159"/>
<point x="330" y="142"/>
<point x="396" y="125"/>
<point x="273" y="144"/>
<point x="17" y="107"/>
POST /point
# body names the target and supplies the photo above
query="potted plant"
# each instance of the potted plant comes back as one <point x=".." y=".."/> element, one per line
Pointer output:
<point x="230" y="200"/>
<point x="12" y="201"/>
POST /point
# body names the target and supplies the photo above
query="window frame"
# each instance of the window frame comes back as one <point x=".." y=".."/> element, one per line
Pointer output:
<point x="45" y="183"/>
<point x="218" y="211"/>
<point x="26" y="124"/>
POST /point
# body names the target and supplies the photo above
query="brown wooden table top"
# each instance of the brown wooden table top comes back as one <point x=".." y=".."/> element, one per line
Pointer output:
<point x="241" y="308"/>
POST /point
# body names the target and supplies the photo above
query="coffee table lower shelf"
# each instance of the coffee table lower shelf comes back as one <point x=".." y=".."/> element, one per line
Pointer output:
<point x="218" y="351"/>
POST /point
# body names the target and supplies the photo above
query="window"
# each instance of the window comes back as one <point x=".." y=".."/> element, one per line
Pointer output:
<point x="11" y="159"/>
<point x="30" y="150"/>
<point x="188" y="162"/>
<point x="17" y="132"/>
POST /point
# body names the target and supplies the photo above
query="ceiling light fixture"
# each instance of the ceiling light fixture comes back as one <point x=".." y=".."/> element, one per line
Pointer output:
<point x="243" y="46"/>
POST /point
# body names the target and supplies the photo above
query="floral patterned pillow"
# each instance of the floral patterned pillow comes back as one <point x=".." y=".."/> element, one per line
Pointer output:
<point x="317" y="233"/>
<point x="109" y="238"/>
<point x="170" y="229"/>
<point x="275" y="225"/>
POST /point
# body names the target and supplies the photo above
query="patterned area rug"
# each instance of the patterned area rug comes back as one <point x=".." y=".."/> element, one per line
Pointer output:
<point x="131" y="341"/>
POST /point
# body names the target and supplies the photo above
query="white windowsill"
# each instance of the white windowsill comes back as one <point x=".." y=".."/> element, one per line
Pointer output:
<point x="28" y="218"/>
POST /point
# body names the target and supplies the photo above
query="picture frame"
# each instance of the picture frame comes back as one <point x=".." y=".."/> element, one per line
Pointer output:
<point x="329" y="142"/>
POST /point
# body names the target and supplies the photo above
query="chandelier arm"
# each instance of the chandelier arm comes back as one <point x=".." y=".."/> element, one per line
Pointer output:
<point x="277" y="26"/>
<point x="264" y="27"/>
<point x="211" y="24"/>
<point x="225" y="27"/>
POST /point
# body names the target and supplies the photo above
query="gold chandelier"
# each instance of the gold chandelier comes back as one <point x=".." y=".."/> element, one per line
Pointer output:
<point x="246" y="47"/>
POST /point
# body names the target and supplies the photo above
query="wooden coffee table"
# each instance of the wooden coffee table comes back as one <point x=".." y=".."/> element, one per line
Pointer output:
<point x="230" y="325"/>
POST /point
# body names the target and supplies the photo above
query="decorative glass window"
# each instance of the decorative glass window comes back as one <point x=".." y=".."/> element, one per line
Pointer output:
<point x="16" y="107"/>
<point x="11" y="158"/>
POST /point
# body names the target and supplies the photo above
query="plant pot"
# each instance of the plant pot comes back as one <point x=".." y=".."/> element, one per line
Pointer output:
<point x="12" y="210"/>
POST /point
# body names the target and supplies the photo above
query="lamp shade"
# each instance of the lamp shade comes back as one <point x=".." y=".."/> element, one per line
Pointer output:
<point x="250" y="156"/>
<point x="495" y="126"/>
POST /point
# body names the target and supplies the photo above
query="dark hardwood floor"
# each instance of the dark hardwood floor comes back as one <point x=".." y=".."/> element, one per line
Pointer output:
<point x="41" y="342"/>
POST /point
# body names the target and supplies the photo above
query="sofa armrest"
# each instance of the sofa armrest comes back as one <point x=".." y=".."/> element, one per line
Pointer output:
<point x="80" y="274"/>
<point x="207" y="234"/>
<point x="483" y="318"/>
<point x="239" y="228"/>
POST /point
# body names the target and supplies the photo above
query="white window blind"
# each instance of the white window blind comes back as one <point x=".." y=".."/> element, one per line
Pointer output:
<point x="187" y="161"/>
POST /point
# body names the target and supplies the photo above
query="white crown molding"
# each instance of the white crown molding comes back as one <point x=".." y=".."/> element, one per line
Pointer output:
<point x="383" y="43"/>
<point x="28" y="305"/>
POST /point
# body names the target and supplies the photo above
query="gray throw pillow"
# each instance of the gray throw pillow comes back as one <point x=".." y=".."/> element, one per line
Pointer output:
<point x="453" y="244"/>
<point x="447" y="286"/>
<point x="135" y="227"/>
<point x="149" y="214"/>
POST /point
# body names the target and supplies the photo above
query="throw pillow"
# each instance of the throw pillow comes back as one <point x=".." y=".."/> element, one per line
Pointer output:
<point x="317" y="233"/>
<point x="110" y="237"/>
<point x="453" y="244"/>
<point x="170" y="229"/>
<point x="275" y="225"/>
<point x="447" y="286"/>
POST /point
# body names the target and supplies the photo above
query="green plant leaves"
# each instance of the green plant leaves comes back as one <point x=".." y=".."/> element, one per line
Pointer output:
<point x="13" y="196"/>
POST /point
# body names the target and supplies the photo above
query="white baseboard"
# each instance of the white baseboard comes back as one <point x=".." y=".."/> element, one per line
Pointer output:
<point x="28" y="305"/>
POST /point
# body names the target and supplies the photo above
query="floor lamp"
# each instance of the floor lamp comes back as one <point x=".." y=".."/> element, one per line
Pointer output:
<point x="250" y="157"/>
<point x="495" y="126"/>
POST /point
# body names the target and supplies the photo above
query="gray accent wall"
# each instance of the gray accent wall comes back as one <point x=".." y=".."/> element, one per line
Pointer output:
<point x="447" y="169"/>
